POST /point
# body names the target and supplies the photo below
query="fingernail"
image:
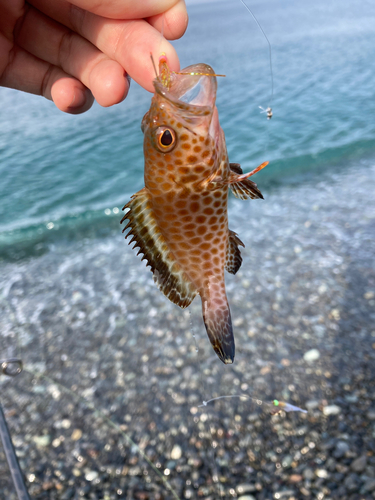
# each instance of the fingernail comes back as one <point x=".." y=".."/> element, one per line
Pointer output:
<point x="79" y="99"/>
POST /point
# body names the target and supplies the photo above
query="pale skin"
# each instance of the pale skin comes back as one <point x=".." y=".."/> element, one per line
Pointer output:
<point x="77" y="51"/>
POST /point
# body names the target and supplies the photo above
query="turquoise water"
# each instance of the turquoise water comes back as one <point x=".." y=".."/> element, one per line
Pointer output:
<point x="67" y="177"/>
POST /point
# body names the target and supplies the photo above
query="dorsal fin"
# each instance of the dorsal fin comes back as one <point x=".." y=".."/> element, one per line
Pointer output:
<point x="246" y="188"/>
<point x="146" y="234"/>
<point x="236" y="167"/>
<point x="233" y="259"/>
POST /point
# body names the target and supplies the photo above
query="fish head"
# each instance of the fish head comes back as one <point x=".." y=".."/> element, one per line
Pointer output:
<point x="182" y="125"/>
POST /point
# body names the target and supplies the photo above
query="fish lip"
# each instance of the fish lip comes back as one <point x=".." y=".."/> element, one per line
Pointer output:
<point x="185" y="107"/>
<point x="186" y="80"/>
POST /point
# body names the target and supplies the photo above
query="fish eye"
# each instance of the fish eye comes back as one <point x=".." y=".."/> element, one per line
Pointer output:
<point x="165" y="139"/>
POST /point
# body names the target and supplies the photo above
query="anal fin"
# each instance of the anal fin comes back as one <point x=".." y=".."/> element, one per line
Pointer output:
<point x="146" y="234"/>
<point x="233" y="259"/>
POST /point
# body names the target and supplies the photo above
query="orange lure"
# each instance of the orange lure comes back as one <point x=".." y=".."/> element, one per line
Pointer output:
<point x="179" y="220"/>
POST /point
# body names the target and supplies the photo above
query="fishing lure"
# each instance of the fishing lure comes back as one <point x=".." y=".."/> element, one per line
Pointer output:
<point x="276" y="405"/>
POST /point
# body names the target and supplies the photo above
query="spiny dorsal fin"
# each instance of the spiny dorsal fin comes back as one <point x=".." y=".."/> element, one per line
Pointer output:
<point x="236" y="167"/>
<point x="151" y="242"/>
<point x="244" y="188"/>
<point x="233" y="259"/>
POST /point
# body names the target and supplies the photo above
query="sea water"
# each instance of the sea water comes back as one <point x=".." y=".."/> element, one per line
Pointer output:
<point x="63" y="177"/>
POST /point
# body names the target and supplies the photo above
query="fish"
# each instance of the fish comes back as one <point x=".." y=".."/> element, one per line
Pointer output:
<point x="179" y="220"/>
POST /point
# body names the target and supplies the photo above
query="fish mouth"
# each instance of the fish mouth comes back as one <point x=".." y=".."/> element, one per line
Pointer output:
<point x="192" y="91"/>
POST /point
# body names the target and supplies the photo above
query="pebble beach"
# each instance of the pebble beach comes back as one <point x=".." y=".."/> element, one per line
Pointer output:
<point x="114" y="400"/>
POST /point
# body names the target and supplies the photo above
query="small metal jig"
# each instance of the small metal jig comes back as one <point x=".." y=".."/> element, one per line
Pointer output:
<point x="11" y="367"/>
<point x="268" y="111"/>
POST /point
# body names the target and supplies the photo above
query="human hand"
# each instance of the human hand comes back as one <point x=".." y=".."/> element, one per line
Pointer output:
<point x="77" y="51"/>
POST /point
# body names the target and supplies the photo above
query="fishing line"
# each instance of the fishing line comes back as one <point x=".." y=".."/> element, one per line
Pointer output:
<point x="269" y="109"/>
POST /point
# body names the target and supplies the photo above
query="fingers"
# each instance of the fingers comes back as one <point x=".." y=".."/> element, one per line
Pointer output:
<point x="59" y="46"/>
<point x="172" y="23"/>
<point x="125" y="9"/>
<point x="127" y="42"/>
<point x="30" y="74"/>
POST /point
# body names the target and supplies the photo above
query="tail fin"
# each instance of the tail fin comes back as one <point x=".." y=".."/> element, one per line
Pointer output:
<point x="218" y="324"/>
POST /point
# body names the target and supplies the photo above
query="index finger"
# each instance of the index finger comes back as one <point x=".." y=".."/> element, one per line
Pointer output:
<point x="129" y="42"/>
<point x="125" y="9"/>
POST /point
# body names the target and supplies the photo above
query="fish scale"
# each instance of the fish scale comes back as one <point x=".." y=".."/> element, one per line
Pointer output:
<point x="179" y="220"/>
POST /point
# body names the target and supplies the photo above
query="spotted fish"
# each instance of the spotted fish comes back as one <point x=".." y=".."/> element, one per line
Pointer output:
<point x="179" y="219"/>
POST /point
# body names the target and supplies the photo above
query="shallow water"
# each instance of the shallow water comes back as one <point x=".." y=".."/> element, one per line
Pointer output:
<point x="60" y="173"/>
<point x="111" y="367"/>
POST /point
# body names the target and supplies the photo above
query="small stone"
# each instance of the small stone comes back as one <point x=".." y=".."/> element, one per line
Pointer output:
<point x="311" y="355"/>
<point x="322" y="289"/>
<point x="284" y="494"/>
<point x="335" y="314"/>
<point x="176" y="452"/>
<point x="65" y="424"/>
<point x="135" y="471"/>
<point x="308" y="474"/>
<point x="369" y="485"/>
<point x="369" y="295"/>
<point x="351" y="482"/>
<point x="246" y="488"/>
<point x="287" y="461"/>
<point x="359" y="464"/>
<point x="312" y="404"/>
<point x="42" y="440"/>
<point x="323" y="473"/>
<point x="331" y="410"/>
<point x="341" y="449"/>
<point x="371" y="414"/>
<point x="91" y="475"/>
<point x="246" y="497"/>
<point x="351" y="398"/>
<point x="295" y="478"/>
<point x="238" y="322"/>
<point x="76" y="434"/>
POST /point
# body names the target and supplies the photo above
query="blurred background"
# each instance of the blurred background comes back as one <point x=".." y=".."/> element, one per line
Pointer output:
<point x="111" y="402"/>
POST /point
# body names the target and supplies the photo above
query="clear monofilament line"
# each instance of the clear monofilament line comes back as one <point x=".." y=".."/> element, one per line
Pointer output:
<point x="269" y="45"/>
<point x="205" y="403"/>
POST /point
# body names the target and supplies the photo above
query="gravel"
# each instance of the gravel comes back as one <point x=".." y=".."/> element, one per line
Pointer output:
<point x="110" y="404"/>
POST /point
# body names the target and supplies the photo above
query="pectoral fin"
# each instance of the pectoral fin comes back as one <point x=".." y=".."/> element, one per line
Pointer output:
<point x="146" y="234"/>
<point x="233" y="259"/>
<point x="241" y="186"/>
